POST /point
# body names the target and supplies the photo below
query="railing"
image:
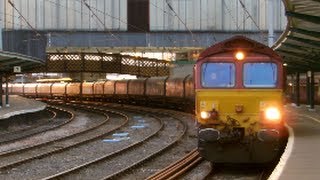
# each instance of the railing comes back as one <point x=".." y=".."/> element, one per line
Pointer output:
<point x="104" y="63"/>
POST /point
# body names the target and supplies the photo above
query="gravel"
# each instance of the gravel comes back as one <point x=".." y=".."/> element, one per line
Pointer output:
<point x="185" y="145"/>
<point x="82" y="121"/>
<point x="76" y="156"/>
<point x="70" y="158"/>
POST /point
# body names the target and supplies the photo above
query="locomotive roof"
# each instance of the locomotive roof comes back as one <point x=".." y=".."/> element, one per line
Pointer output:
<point x="239" y="43"/>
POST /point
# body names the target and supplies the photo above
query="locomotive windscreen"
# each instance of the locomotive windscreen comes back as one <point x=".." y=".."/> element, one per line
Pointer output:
<point x="262" y="74"/>
<point x="218" y="74"/>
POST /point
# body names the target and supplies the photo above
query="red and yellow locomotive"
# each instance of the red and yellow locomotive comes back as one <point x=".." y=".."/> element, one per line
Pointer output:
<point x="238" y="97"/>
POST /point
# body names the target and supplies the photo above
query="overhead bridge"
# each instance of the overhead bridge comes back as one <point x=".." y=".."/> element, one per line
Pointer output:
<point x="104" y="63"/>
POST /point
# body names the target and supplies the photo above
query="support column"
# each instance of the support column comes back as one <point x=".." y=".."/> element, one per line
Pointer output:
<point x="81" y="84"/>
<point x="1" y="90"/>
<point x="285" y="83"/>
<point x="1" y="22"/>
<point x="7" y="91"/>
<point x="81" y="75"/>
<point x="297" y="99"/>
<point x="311" y="91"/>
<point x="308" y="75"/>
<point x="1" y="48"/>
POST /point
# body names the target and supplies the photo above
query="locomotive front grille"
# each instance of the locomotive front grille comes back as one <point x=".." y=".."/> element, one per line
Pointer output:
<point x="209" y="134"/>
<point x="268" y="135"/>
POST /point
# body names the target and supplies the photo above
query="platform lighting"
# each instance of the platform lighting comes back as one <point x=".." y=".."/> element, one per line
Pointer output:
<point x="285" y="64"/>
<point x="239" y="56"/>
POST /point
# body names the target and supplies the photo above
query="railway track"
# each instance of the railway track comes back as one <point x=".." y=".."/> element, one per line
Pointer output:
<point x="16" y="164"/>
<point x="185" y="167"/>
<point x="173" y="171"/>
<point x="176" y="169"/>
<point x="240" y="171"/>
<point x="15" y="157"/>
<point x="101" y="162"/>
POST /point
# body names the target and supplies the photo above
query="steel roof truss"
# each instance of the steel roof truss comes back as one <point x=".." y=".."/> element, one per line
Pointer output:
<point x="307" y="41"/>
<point x="297" y="47"/>
<point x="315" y="34"/>
<point x="305" y="57"/>
<point x="304" y="17"/>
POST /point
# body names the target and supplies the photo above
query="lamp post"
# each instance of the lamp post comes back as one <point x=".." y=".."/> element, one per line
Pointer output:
<point x="1" y="23"/>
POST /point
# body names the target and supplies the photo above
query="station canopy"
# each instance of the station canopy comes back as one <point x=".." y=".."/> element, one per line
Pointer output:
<point x="299" y="45"/>
<point x="15" y="63"/>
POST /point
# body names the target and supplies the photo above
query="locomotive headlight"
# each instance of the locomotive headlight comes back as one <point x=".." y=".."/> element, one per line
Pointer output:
<point x="239" y="55"/>
<point x="272" y="114"/>
<point x="205" y="115"/>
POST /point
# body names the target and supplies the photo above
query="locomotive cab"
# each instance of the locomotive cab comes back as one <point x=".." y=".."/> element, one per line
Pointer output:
<point x="238" y="95"/>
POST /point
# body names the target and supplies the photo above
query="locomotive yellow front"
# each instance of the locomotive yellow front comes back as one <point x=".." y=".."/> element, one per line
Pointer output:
<point x="238" y="99"/>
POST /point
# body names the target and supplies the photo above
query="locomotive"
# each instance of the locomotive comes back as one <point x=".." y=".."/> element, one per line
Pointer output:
<point x="239" y="102"/>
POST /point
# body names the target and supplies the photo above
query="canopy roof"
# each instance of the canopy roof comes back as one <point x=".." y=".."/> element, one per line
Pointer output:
<point x="8" y="60"/>
<point x="299" y="45"/>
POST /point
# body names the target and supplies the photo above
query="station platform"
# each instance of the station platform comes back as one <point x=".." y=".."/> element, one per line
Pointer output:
<point x="301" y="159"/>
<point x="20" y="105"/>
